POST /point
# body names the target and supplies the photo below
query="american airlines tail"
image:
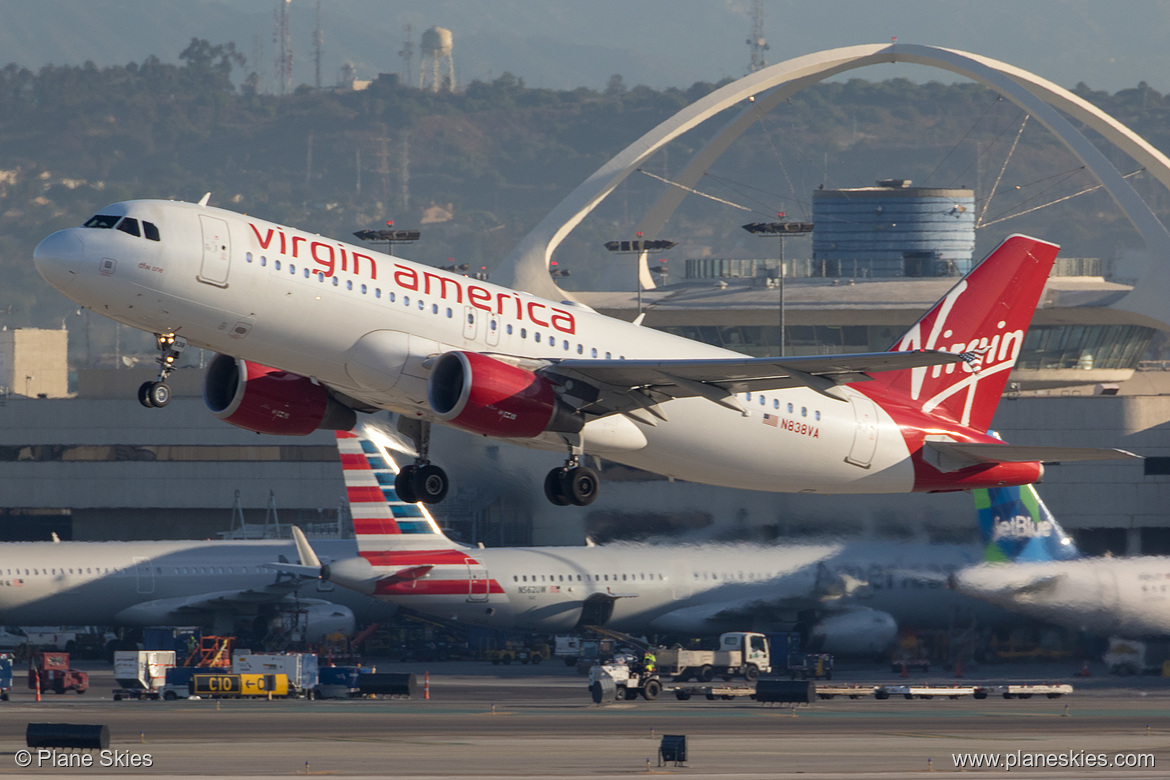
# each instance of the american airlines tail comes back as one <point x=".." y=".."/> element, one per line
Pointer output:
<point x="382" y="522"/>
<point x="1017" y="527"/>
<point x="984" y="318"/>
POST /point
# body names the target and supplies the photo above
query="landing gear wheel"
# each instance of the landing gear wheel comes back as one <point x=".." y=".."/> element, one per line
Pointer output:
<point x="580" y="485"/>
<point x="554" y="489"/>
<point x="430" y="484"/>
<point x="159" y="394"/>
<point x="404" y="484"/>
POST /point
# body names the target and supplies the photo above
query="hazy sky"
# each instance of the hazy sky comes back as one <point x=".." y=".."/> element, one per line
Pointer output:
<point x="571" y="43"/>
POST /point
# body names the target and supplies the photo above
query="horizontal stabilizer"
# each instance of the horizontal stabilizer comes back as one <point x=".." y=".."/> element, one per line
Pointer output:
<point x="409" y="574"/>
<point x="309" y="572"/>
<point x="949" y="456"/>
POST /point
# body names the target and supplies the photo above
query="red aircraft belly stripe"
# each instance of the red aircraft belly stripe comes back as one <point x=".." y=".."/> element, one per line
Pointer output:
<point x="426" y="587"/>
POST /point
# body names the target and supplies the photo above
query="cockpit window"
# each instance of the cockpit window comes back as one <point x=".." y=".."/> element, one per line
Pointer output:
<point x="102" y="221"/>
<point x="150" y="230"/>
<point x="130" y="225"/>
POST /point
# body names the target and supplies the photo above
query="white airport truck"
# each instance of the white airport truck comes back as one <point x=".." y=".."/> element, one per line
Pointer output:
<point x="301" y="668"/>
<point x="141" y="674"/>
<point x="743" y="654"/>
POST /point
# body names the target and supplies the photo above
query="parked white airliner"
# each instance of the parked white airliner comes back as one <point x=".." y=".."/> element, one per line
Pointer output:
<point x="221" y="585"/>
<point x="310" y="329"/>
<point x="1127" y="596"/>
<point x="849" y="598"/>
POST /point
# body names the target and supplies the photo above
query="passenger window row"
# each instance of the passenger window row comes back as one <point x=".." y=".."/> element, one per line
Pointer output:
<point x="435" y="309"/>
<point x="776" y="405"/>
<point x="639" y="577"/>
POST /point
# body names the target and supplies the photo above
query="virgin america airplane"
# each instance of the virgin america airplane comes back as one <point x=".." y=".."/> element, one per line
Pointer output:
<point x="310" y="331"/>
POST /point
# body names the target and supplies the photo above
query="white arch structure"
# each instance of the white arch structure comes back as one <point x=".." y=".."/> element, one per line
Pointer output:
<point x="527" y="266"/>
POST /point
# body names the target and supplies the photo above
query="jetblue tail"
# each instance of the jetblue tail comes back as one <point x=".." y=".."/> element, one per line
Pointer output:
<point x="984" y="318"/>
<point x="381" y="521"/>
<point x="1017" y="527"/>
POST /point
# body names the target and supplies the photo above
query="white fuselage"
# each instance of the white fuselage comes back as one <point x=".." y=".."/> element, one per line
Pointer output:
<point x="1126" y="596"/>
<point x="153" y="583"/>
<point x="687" y="589"/>
<point x="363" y="323"/>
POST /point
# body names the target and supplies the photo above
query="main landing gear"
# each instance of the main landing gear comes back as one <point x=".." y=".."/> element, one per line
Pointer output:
<point x="157" y="394"/>
<point x="572" y="484"/>
<point x="424" y="481"/>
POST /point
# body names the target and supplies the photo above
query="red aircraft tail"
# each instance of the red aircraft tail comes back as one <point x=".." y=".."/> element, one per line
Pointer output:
<point x="983" y="317"/>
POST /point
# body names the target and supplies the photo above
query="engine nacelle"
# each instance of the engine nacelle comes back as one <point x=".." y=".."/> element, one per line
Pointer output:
<point x="858" y="631"/>
<point x="315" y="619"/>
<point x="268" y="400"/>
<point x="481" y="394"/>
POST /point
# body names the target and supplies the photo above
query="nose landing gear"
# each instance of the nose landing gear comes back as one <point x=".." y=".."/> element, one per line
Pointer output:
<point x="157" y="394"/>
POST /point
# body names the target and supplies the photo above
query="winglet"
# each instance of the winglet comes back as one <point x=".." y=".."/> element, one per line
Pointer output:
<point x="206" y="197"/>
<point x="304" y="549"/>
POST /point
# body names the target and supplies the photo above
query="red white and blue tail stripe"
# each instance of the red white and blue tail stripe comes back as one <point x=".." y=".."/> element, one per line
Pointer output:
<point x="381" y="521"/>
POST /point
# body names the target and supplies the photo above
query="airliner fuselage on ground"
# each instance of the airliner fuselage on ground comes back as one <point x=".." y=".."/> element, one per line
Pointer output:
<point x="849" y="597"/>
<point x="216" y="584"/>
<point x="350" y="329"/>
<point x="1125" y="596"/>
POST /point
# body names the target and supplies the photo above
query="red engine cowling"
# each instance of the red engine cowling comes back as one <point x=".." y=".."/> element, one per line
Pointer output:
<point x="481" y="394"/>
<point x="268" y="400"/>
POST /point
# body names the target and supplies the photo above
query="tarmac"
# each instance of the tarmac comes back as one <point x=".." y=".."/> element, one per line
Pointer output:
<point x="484" y="721"/>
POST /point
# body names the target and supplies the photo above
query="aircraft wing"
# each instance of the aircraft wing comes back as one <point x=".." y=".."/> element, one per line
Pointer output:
<point x="953" y="455"/>
<point x="623" y="385"/>
<point x="245" y="601"/>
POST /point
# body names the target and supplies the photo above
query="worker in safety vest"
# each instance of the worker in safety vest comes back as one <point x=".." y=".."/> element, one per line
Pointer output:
<point x="649" y="662"/>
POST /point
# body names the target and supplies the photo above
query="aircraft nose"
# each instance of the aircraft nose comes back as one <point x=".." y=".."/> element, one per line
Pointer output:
<point x="58" y="258"/>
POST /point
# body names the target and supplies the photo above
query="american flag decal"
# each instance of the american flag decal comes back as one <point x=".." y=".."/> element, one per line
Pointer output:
<point x="975" y="358"/>
<point x="771" y="419"/>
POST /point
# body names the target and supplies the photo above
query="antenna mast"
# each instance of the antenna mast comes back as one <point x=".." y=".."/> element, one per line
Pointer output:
<point x="756" y="42"/>
<point x="283" y="40"/>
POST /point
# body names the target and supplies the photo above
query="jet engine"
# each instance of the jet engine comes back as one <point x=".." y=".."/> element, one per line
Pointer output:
<point x="313" y="620"/>
<point x="858" y="631"/>
<point x="481" y="394"/>
<point x="268" y="400"/>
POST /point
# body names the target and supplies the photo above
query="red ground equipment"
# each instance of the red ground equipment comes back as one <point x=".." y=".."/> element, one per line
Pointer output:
<point x="49" y="671"/>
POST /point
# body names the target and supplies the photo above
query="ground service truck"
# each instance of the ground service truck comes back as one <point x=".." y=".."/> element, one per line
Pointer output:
<point x="741" y="654"/>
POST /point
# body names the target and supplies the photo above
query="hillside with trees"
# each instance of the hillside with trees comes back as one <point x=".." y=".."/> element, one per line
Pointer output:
<point x="477" y="169"/>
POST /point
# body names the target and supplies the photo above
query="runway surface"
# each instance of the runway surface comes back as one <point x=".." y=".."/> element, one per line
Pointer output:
<point x="486" y="722"/>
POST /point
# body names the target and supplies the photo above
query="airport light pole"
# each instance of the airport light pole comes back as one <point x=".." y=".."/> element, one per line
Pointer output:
<point x="780" y="230"/>
<point x="389" y="237"/>
<point x="638" y="247"/>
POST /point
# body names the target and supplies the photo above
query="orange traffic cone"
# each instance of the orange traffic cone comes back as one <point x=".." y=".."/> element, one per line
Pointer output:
<point x="1085" y="668"/>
